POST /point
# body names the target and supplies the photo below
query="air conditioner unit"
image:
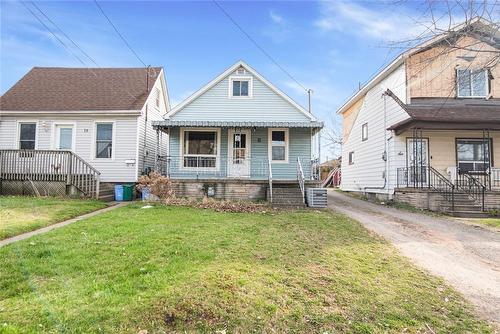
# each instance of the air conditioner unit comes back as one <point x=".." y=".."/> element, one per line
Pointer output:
<point x="316" y="197"/>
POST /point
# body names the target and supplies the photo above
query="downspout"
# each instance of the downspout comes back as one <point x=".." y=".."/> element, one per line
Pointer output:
<point x="385" y="156"/>
<point x="145" y="123"/>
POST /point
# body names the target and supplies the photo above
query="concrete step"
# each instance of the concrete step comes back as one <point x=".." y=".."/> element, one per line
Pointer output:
<point x="107" y="198"/>
<point x="469" y="214"/>
<point x="464" y="208"/>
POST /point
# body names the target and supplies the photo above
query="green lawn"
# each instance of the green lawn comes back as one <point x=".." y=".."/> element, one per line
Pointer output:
<point x="493" y="222"/>
<point x="19" y="214"/>
<point x="176" y="269"/>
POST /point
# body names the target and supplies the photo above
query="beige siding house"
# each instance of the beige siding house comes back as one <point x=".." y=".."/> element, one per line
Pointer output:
<point x="426" y="129"/>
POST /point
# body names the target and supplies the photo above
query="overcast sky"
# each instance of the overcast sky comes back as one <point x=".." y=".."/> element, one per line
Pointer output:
<point x="329" y="47"/>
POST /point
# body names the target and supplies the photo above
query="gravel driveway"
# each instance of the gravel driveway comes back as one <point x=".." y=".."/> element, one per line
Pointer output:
<point x="468" y="257"/>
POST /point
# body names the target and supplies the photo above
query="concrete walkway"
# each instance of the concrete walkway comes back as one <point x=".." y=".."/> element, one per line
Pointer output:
<point x="59" y="225"/>
<point x="466" y="256"/>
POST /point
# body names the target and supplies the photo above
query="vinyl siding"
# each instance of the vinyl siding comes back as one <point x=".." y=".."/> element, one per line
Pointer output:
<point x="147" y="149"/>
<point x="369" y="167"/>
<point x="299" y="147"/>
<point x="124" y="145"/>
<point x="264" y="105"/>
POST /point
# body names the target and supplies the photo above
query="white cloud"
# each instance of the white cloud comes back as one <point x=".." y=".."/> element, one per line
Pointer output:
<point x="384" y="23"/>
<point x="275" y="17"/>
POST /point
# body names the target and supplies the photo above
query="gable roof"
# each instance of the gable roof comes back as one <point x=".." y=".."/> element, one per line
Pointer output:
<point x="479" y="27"/>
<point x="80" y="89"/>
<point x="226" y="73"/>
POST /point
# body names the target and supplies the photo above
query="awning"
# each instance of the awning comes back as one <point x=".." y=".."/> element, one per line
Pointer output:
<point x="237" y="124"/>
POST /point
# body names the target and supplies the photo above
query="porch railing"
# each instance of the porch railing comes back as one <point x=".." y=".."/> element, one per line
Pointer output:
<point x="301" y="179"/>
<point x="270" y="167"/>
<point x="50" y="165"/>
<point x="426" y="177"/>
<point x="472" y="186"/>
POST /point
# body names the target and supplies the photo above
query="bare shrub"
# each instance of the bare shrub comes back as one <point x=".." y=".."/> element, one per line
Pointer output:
<point x="158" y="185"/>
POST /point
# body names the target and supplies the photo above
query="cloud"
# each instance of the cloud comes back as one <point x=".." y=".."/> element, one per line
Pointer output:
<point x="351" y="17"/>
<point x="275" y="17"/>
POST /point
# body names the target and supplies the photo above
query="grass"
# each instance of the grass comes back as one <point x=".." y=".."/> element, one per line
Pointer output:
<point x="21" y="214"/>
<point x="177" y="269"/>
<point x="492" y="222"/>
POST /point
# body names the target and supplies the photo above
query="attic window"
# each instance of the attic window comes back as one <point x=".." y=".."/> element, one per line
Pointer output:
<point x="241" y="71"/>
<point x="240" y="87"/>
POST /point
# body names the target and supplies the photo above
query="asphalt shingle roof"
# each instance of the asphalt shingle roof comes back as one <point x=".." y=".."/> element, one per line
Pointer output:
<point x="74" y="89"/>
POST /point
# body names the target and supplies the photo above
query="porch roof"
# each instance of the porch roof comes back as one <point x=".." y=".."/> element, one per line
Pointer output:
<point x="444" y="114"/>
<point x="237" y="124"/>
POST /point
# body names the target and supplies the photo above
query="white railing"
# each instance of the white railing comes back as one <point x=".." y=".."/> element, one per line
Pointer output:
<point x="301" y="179"/>
<point x="270" y="182"/>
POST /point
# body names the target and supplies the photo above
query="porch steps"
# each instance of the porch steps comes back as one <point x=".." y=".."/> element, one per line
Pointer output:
<point x="465" y="207"/>
<point x="287" y="195"/>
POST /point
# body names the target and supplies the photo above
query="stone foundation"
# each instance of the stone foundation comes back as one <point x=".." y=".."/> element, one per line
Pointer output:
<point x="222" y="189"/>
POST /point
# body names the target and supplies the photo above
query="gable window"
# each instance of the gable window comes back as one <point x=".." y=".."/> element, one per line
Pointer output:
<point x="351" y="158"/>
<point x="104" y="140"/>
<point x="473" y="155"/>
<point x="157" y="98"/>
<point x="364" y="132"/>
<point x="278" y="145"/>
<point x="240" y="87"/>
<point x="472" y="83"/>
<point x="200" y="148"/>
<point x="27" y="136"/>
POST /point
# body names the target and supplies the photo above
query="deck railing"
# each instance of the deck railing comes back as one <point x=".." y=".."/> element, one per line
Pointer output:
<point x="472" y="186"/>
<point x="50" y="165"/>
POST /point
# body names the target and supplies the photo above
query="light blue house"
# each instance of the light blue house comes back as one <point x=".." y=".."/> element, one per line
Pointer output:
<point x="240" y="137"/>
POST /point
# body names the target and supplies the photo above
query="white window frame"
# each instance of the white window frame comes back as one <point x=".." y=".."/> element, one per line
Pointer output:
<point x="472" y="96"/>
<point x="240" y="78"/>
<point x="55" y="136"/>
<point x="364" y="136"/>
<point x="217" y="155"/>
<point x="157" y="98"/>
<point x="270" y="145"/>
<point x="18" y="135"/>
<point x="113" y="141"/>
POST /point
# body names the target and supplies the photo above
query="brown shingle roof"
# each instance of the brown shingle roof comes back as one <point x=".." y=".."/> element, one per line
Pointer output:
<point x="67" y="89"/>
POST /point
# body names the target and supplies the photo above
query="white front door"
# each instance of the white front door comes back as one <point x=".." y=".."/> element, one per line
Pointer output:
<point x="64" y="137"/>
<point x="238" y="164"/>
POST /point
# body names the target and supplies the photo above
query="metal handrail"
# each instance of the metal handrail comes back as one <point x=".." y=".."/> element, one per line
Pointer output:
<point x="470" y="185"/>
<point x="50" y="165"/>
<point x="301" y="179"/>
<point x="270" y="181"/>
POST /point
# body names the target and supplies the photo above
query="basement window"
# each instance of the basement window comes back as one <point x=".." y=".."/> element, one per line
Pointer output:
<point x="472" y="83"/>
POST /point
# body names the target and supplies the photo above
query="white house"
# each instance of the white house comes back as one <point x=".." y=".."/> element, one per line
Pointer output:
<point x="102" y="115"/>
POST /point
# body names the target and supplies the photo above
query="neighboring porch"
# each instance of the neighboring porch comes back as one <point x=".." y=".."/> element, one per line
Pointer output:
<point x="457" y="165"/>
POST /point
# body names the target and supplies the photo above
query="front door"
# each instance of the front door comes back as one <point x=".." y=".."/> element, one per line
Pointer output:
<point x="64" y="137"/>
<point x="418" y="160"/>
<point x="238" y="164"/>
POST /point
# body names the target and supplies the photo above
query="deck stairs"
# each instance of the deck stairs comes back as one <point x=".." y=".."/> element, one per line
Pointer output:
<point x="287" y="195"/>
<point x="107" y="192"/>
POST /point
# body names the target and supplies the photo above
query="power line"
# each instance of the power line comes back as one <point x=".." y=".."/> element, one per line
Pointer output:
<point x="65" y="35"/>
<point x="53" y="34"/>
<point x="119" y="34"/>
<point x="257" y="45"/>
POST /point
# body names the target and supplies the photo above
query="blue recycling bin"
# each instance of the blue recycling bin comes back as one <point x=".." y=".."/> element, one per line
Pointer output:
<point x="146" y="193"/>
<point x="118" y="192"/>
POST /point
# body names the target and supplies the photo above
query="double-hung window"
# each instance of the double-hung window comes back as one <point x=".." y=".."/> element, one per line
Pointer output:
<point x="104" y="140"/>
<point x="472" y="83"/>
<point x="351" y="158"/>
<point x="200" y="149"/>
<point x="27" y="136"/>
<point x="278" y="145"/>
<point x="240" y="87"/>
